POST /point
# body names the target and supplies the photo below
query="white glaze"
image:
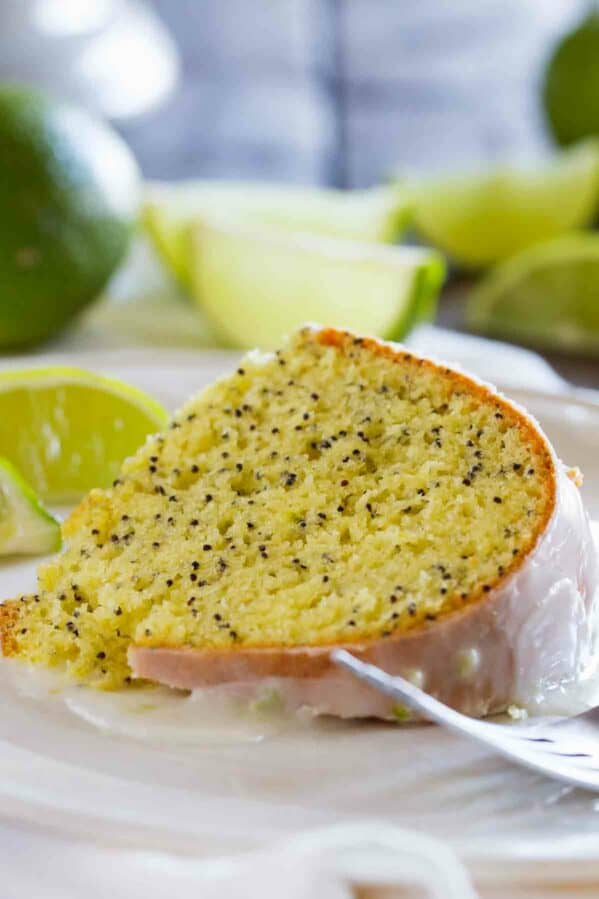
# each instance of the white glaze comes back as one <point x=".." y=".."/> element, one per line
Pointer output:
<point x="551" y="613"/>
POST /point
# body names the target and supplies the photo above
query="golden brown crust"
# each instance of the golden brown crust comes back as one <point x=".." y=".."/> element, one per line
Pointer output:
<point x="9" y="615"/>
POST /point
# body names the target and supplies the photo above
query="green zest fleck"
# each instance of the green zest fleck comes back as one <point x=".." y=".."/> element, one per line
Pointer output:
<point x="268" y="702"/>
<point x="401" y="713"/>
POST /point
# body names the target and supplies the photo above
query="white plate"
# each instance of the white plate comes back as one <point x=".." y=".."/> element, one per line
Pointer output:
<point x="221" y="795"/>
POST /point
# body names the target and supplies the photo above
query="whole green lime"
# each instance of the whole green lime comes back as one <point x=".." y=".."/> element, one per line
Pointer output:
<point x="68" y="197"/>
<point x="571" y="84"/>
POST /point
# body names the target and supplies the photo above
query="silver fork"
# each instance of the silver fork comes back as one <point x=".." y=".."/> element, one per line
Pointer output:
<point x="564" y="748"/>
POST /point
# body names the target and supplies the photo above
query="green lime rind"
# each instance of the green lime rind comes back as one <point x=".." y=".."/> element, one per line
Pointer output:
<point x="479" y="220"/>
<point x="67" y="429"/>
<point x="26" y="526"/>
<point x="428" y="281"/>
<point x="68" y="196"/>
<point x="258" y="284"/>
<point x="379" y="214"/>
<point x="570" y="89"/>
<point x="60" y="375"/>
<point x="546" y="296"/>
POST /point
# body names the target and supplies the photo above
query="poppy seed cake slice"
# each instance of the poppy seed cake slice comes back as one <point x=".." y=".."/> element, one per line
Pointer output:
<point x="339" y="492"/>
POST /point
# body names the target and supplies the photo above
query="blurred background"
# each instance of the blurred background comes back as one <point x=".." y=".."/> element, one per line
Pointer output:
<point x="337" y="92"/>
<point x="342" y="92"/>
<point x="345" y="94"/>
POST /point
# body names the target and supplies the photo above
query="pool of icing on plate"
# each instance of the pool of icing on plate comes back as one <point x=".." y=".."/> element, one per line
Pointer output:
<point x="213" y="716"/>
<point x="218" y="715"/>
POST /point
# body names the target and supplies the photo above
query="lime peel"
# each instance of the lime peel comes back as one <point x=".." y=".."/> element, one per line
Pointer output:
<point x="69" y="193"/>
<point x="571" y="82"/>
<point x="60" y="375"/>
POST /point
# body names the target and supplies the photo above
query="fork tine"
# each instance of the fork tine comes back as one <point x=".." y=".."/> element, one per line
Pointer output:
<point x="397" y="687"/>
<point x="531" y="753"/>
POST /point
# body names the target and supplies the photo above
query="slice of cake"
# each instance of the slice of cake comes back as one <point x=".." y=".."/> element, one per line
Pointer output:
<point x="339" y="492"/>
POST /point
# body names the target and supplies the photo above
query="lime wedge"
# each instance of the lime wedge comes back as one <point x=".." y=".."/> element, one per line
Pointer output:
<point x="26" y="527"/>
<point x="482" y="219"/>
<point x="547" y="296"/>
<point x="68" y="430"/>
<point x="258" y="284"/>
<point x="379" y="214"/>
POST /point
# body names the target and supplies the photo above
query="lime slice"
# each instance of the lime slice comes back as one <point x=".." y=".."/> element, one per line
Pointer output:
<point x="378" y="214"/>
<point x="258" y="284"/>
<point x="26" y="527"/>
<point x="68" y="430"/>
<point x="547" y="296"/>
<point x="482" y="219"/>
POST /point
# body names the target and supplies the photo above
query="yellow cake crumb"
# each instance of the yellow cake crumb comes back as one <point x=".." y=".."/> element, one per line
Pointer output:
<point x="332" y="492"/>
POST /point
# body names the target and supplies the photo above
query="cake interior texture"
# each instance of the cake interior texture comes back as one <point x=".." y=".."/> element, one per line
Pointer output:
<point x="338" y="491"/>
